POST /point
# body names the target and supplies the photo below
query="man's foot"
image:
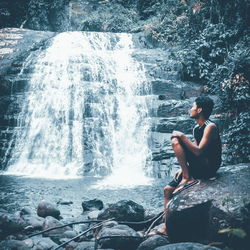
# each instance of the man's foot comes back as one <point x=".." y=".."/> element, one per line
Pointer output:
<point x="159" y="230"/>
<point x="184" y="185"/>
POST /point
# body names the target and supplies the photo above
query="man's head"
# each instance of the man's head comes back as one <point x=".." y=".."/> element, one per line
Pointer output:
<point x="203" y="106"/>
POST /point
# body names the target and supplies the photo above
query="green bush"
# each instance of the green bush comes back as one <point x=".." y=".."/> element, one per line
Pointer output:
<point x="238" y="140"/>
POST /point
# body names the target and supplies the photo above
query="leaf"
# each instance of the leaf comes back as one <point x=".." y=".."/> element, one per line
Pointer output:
<point x="237" y="232"/>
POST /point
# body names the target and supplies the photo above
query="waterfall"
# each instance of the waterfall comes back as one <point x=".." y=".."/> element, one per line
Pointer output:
<point x="82" y="112"/>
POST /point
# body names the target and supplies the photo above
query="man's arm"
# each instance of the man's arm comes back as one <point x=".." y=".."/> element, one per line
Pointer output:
<point x="209" y="133"/>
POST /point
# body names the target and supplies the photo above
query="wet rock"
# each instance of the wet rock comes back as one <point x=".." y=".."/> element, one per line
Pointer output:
<point x="91" y="205"/>
<point x="61" y="202"/>
<point x="33" y="222"/>
<point x="70" y="234"/>
<point x="47" y="209"/>
<point x="16" y="45"/>
<point x="167" y="125"/>
<point x="124" y="210"/>
<point x="85" y="246"/>
<point x="13" y="244"/>
<point x="50" y="222"/>
<point x="11" y="223"/>
<point x="123" y="238"/>
<point x="93" y="214"/>
<point x="201" y="210"/>
<point x="25" y="211"/>
<point x="152" y="242"/>
<point x="110" y="223"/>
<point x="186" y="245"/>
<point x="41" y="243"/>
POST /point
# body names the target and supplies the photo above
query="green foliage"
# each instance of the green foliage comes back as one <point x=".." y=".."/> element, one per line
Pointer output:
<point x="234" y="232"/>
<point x="235" y="94"/>
<point x="238" y="139"/>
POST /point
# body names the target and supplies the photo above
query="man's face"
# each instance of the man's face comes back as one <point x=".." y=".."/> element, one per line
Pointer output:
<point x="194" y="112"/>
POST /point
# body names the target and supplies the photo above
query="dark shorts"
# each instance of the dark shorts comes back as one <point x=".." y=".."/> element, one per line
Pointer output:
<point x="175" y="182"/>
<point x="199" y="168"/>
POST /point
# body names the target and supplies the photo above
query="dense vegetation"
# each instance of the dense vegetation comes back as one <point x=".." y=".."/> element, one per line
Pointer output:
<point x="213" y="36"/>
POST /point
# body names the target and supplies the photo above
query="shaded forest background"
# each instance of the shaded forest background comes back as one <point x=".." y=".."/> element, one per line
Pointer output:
<point x="210" y="37"/>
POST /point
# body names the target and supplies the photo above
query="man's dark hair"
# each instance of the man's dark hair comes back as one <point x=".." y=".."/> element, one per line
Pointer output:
<point x="206" y="103"/>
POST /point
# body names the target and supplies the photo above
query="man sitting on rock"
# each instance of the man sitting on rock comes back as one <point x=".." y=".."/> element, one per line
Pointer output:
<point x="199" y="159"/>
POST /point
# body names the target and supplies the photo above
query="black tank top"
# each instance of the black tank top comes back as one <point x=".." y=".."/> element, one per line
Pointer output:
<point x="212" y="152"/>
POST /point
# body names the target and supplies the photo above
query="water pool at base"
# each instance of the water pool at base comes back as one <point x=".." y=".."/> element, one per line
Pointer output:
<point x="17" y="192"/>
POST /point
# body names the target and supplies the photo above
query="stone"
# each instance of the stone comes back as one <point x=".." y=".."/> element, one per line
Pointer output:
<point x="152" y="242"/>
<point x="50" y="222"/>
<point x="93" y="214"/>
<point x="124" y="210"/>
<point x="167" y="125"/>
<point x="26" y="211"/>
<point x="85" y="246"/>
<point x="47" y="209"/>
<point x="125" y="237"/>
<point x="200" y="211"/>
<point x="91" y="205"/>
<point x="62" y="202"/>
<point x="13" y="244"/>
<point x="11" y="223"/>
<point x="186" y="245"/>
<point x="33" y="222"/>
<point x="43" y="243"/>
<point x="70" y="234"/>
<point x="20" y="43"/>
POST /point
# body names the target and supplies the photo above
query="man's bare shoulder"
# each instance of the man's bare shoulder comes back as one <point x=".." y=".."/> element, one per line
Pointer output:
<point x="211" y="129"/>
<point x="210" y="125"/>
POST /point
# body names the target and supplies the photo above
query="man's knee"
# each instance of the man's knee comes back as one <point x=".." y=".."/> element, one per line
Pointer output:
<point x="175" y="142"/>
<point x="168" y="190"/>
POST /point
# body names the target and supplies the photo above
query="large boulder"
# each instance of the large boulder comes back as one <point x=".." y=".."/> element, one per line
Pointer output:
<point x="33" y="222"/>
<point x="45" y="209"/>
<point x="51" y="222"/>
<point x="200" y="211"/>
<point x="91" y="205"/>
<point x="152" y="242"/>
<point x="124" y="210"/>
<point x="186" y="245"/>
<point x="11" y="223"/>
<point x="119" y="237"/>
<point x="38" y="242"/>
<point x="16" y="46"/>
<point x="13" y="244"/>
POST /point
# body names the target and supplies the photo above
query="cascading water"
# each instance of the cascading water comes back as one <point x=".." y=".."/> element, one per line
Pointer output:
<point x="82" y="112"/>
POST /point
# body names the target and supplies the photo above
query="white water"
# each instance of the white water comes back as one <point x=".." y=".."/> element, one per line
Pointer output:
<point x="82" y="108"/>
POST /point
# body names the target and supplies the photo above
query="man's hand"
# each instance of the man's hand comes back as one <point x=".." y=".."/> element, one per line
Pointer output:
<point x="177" y="134"/>
<point x="177" y="174"/>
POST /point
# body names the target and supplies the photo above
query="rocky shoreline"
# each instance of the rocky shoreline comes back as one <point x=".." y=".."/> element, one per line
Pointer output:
<point x="213" y="214"/>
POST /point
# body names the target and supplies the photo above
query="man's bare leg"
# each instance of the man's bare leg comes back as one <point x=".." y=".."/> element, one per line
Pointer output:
<point x="181" y="157"/>
<point x="168" y="191"/>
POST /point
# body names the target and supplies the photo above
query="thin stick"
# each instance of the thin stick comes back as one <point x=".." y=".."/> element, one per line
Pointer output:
<point x="150" y="227"/>
<point x="65" y="225"/>
<point x="92" y="221"/>
<point x="84" y="232"/>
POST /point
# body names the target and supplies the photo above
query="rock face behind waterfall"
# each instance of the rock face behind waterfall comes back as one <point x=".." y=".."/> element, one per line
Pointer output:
<point x="199" y="212"/>
<point x="16" y="45"/>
